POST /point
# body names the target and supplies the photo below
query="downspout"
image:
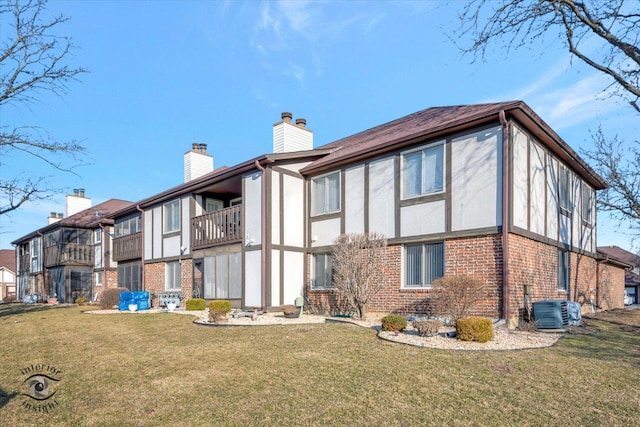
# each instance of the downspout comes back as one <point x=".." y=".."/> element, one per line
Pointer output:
<point x="506" y="139"/>
<point x="40" y="262"/>
<point x="597" y="303"/>
<point x="142" y="246"/>
<point x="104" y="252"/>
<point x="263" y="237"/>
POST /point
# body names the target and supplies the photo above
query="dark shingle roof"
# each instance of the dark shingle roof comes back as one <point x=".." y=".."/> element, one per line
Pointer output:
<point x="84" y="219"/>
<point x="621" y="254"/>
<point x="438" y="122"/>
<point x="8" y="259"/>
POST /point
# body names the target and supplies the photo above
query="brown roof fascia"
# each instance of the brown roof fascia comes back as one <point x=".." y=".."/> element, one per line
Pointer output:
<point x="86" y="219"/>
<point x="224" y="172"/>
<point x="516" y="109"/>
<point x="525" y="115"/>
<point x="608" y="259"/>
<point x="469" y="121"/>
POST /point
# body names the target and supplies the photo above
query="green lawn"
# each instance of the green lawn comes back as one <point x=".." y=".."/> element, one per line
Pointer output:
<point x="161" y="369"/>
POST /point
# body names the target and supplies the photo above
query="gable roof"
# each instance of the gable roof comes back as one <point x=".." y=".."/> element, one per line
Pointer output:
<point x="8" y="259"/>
<point x="621" y="254"/>
<point x="437" y="122"/>
<point x="224" y="173"/>
<point x="89" y="218"/>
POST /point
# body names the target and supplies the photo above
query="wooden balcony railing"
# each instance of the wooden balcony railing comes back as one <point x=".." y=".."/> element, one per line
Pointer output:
<point x="68" y="254"/>
<point x="127" y="247"/>
<point x="216" y="228"/>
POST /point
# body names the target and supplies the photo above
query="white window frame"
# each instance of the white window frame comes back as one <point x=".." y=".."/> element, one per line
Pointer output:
<point x="98" y="278"/>
<point x="171" y="217"/>
<point x="423" y="172"/>
<point x="323" y="208"/>
<point x="424" y="283"/>
<point x="97" y="235"/>
<point x="314" y="273"/>
<point x="173" y="274"/>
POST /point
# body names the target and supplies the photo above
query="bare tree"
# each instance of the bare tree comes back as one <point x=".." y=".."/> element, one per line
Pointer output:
<point x="32" y="61"/>
<point x="612" y="25"/>
<point x="619" y="164"/>
<point x="456" y="297"/>
<point x="604" y="34"/>
<point x="358" y="268"/>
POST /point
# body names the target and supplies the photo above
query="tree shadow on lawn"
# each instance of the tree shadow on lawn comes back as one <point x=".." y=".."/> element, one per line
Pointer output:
<point x="16" y="309"/>
<point x="5" y="397"/>
<point x="613" y="342"/>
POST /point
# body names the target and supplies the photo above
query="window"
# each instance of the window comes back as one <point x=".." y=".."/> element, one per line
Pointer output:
<point x="563" y="270"/>
<point x="423" y="171"/>
<point x="98" y="276"/>
<point x="130" y="276"/>
<point x="322" y="272"/>
<point x="129" y="226"/>
<point x="587" y="203"/>
<point x="97" y="235"/>
<point x="222" y="277"/>
<point x="423" y="263"/>
<point x="564" y="189"/>
<point x="172" y="275"/>
<point x="326" y="194"/>
<point x="212" y="205"/>
<point x="172" y="216"/>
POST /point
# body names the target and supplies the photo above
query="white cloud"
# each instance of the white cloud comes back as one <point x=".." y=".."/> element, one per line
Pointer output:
<point x="564" y="101"/>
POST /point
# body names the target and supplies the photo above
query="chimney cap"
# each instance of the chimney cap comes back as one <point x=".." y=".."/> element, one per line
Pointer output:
<point x="287" y="116"/>
<point x="301" y="122"/>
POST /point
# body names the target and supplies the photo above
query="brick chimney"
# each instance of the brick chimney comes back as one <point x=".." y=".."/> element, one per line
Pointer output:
<point x="197" y="162"/>
<point x="289" y="137"/>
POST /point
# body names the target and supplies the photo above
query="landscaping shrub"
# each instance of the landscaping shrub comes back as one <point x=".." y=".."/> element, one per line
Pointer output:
<point x="220" y="305"/>
<point x="456" y="296"/>
<point x="394" y="323"/>
<point x="195" y="304"/>
<point x="427" y="328"/>
<point x="479" y="329"/>
<point x="528" y="326"/>
<point x="218" y="310"/>
<point x="9" y="298"/>
<point x="83" y="300"/>
<point x="288" y="309"/>
<point x="111" y="297"/>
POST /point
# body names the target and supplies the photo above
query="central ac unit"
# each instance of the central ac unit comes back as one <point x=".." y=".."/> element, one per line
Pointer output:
<point x="551" y="314"/>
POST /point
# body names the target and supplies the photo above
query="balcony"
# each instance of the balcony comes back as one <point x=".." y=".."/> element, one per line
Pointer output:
<point x="127" y="247"/>
<point x="69" y="254"/>
<point x="215" y="228"/>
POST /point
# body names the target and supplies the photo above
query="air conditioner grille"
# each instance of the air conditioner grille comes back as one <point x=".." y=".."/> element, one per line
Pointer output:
<point x="551" y="314"/>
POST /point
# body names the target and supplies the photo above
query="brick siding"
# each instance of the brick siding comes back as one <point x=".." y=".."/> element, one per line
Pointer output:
<point x="478" y="257"/>
<point x="531" y="263"/>
<point x="154" y="280"/>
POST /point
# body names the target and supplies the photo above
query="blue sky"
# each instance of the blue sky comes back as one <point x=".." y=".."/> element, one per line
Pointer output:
<point x="166" y="74"/>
